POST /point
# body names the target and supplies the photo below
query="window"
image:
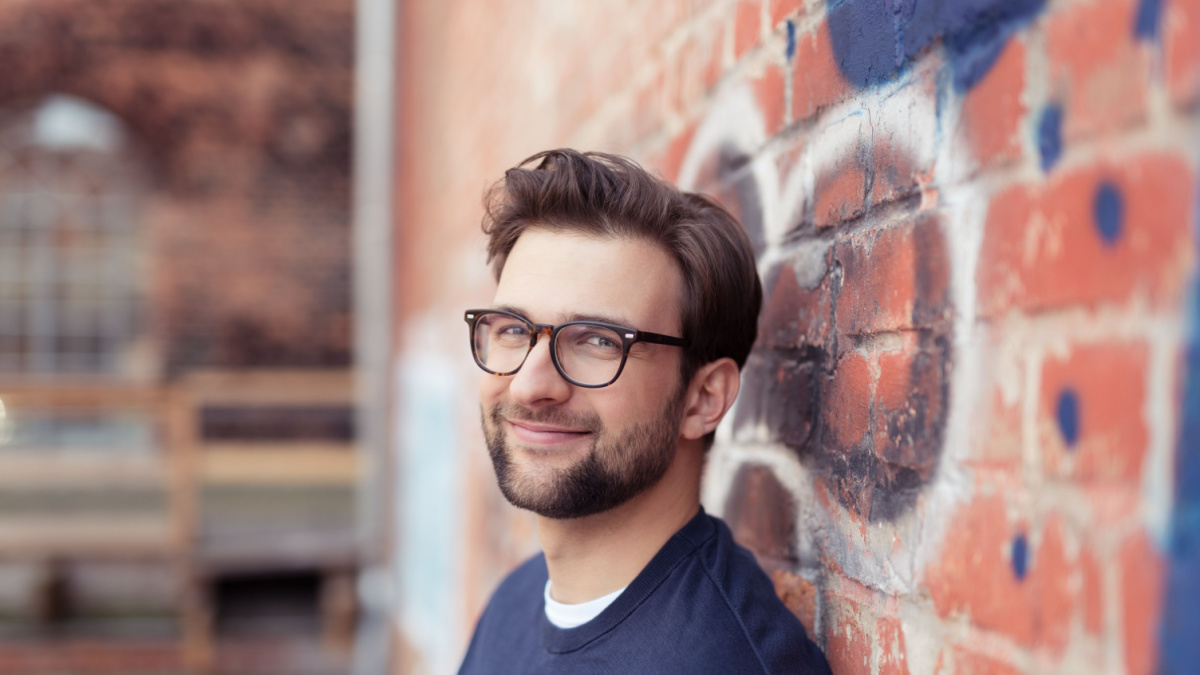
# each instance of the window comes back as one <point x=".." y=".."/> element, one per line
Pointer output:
<point x="70" y="243"/>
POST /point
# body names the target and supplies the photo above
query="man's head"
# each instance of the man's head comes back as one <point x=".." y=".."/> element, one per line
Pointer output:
<point x="593" y="237"/>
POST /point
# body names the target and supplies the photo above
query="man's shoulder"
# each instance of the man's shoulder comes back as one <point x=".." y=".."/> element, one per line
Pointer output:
<point x="739" y="589"/>
<point x="507" y="629"/>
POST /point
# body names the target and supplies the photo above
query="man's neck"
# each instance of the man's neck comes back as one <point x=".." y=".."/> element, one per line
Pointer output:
<point x="596" y="555"/>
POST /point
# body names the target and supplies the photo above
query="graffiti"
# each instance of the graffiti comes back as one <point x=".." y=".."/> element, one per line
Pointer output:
<point x="881" y="255"/>
<point x="1108" y="212"/>
<point x="835" y="297"/>
<point x="876" y="39"/>
<point x="1049" y="136"/>
<point x="1181" y="622"/>
<point x="1148" y="19"/>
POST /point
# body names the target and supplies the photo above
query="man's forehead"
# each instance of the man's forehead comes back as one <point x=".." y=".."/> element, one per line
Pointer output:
<point x="553" y="276"/>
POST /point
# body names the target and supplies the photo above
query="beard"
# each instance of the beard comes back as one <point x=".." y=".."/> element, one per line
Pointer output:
<point x="616" y="468"/>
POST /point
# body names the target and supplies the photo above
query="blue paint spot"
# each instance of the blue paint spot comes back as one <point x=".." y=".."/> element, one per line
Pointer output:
<point x="1148" y="19"/>
<point x="1049" y="137"/>
<point x="1068" y="416"/>
<point x="1020" y="556"/>
<point x="1180" y="621"/>
<point x="791" y="39"/>
<point x="875" y="40"/>
<point x="1109" y="210"/>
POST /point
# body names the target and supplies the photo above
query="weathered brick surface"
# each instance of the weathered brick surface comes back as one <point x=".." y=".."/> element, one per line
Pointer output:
<point x="759" y="511"/>
<point x="747" y="26"/>
<point x="800" y="596"/>
<point x="1142" y="571"/>
<point x="1180" y="25"/>
<point x="893" y="657"/>
<point x="1102" y="233"/>
<point x="1090" y="413"/>
<point x="989" y="575"/>
<point x="994" y="110"/>
<point x="815" y="78"/>
<point x="976" y="230"/>
<point x="849" y="641"/>
<point x="1097" y="66"/>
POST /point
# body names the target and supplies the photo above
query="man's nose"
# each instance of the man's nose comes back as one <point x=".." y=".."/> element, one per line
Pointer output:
<point x="538" y="382"/>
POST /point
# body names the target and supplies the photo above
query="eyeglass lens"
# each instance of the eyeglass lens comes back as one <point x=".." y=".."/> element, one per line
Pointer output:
<point x="587" y="353"/>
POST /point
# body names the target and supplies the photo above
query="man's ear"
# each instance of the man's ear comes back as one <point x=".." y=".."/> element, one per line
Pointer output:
<point x="710" y="395"/>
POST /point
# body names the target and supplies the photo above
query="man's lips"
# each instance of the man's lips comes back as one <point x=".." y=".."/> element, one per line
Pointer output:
<point x="544" y="434"/>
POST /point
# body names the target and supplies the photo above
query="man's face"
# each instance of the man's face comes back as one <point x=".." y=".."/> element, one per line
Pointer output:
<point x="563" y="451"/>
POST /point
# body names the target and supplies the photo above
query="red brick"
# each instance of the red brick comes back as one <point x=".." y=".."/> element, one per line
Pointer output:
<point x="1108" y="381"/>
<point x="1142" y="572"/>
<point x="896" y="175"/>
<point x="816" y="80"/>
<point x="748" y="27"/>
<point x="1181" y="25"/>
<point x="893" y="655"/>
<point x="799" y="595"/>
<point x="782" y="9"/>
<point x="1097" y="68"/>
<point x="1051" y="573"/>
<point x="848" y="403"/>
<point x="994" y="109"/>
<point x="669" y="159"/>
<point x="713" y="62"/>
<point x="1093" y="592"/>
<point x="848" y="648"/>
<point x="761" y="514"/>
<point x="794" y="316"/>
<point x="886" y="285"/>
<point x="778" y="393"/>
<point x="974" y="576"/>
<point x="909" y="406"/>
<point x="841" y="191"/>
<point x="878" y="281"/>
<point x="769" y="92"/>
<point x="1043" y="248"/>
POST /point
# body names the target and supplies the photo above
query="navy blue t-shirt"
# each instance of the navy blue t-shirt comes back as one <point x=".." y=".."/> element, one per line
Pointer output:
<point x="702" y="605"/>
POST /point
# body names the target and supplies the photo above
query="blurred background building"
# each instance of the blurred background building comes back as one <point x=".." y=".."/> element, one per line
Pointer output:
<point x="239" y="424"/>
<point x="178" y="463"/>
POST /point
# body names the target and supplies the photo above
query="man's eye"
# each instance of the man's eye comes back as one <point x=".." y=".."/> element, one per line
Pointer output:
<point x="510" y="334"/>
<point x="601" y="342"/>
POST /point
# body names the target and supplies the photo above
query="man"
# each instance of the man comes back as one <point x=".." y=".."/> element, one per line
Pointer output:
<point x="623" y="313"/>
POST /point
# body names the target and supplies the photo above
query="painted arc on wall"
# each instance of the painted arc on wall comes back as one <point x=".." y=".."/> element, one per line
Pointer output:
<point x="874" y="40"/>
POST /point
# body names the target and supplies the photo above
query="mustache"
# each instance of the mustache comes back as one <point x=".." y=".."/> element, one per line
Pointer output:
<point x="518" y="413"/>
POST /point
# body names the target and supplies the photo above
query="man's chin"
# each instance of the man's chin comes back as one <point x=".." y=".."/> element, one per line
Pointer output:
<point x="560" y="456"/>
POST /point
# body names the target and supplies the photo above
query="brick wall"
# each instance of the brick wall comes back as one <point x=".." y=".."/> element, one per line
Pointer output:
<point x="966" y="440"/>
<point x="240" y="112"/>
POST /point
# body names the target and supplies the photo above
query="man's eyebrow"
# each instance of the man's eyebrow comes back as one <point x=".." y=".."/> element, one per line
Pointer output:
<point x="617" y="320"/>
<point x="512" y="308"/>
<point x="563" y="318"/>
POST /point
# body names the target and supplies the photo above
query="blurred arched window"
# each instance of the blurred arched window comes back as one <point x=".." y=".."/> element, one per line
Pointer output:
<point x="71" y="263"/>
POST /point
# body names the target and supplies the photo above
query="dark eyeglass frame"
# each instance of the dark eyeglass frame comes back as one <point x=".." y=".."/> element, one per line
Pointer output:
<point x="629" y="337"/>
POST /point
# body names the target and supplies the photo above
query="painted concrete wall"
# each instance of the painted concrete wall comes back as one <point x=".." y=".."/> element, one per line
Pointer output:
<point x="967" y="438"/>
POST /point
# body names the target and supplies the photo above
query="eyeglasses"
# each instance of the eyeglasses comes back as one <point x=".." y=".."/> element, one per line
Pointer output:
<point x="586" y="353"/>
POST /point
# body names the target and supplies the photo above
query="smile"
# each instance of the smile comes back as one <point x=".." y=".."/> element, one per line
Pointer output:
<point x="544" y="434"/>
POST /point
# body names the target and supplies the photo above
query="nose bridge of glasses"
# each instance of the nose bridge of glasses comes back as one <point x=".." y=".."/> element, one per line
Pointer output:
<point x="540" y="329"/>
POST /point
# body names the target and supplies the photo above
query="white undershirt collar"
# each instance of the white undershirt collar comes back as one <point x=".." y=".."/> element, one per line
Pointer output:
<point x="570" y="616"/>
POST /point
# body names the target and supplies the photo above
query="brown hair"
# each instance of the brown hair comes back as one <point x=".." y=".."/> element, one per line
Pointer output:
<point x="606" y="195"/>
